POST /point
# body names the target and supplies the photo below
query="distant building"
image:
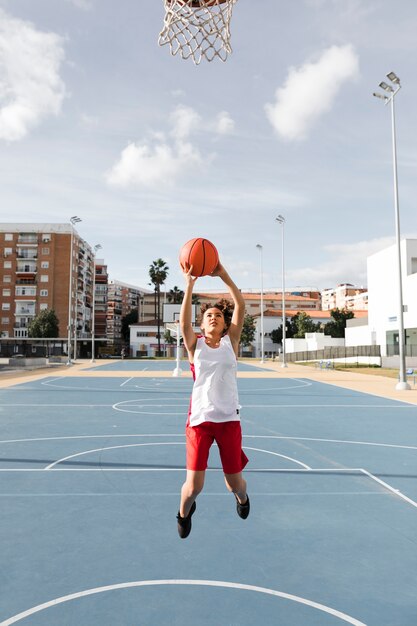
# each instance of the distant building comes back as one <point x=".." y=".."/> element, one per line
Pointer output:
<point x="100" y="299"/>
<point x="344" y="296"/>
<point x="382" y="328"/>
<point x="35" y="274"/>
<point x="122" y="299"/>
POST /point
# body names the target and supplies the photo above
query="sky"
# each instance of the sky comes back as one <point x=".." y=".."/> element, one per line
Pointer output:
<point x="98" y="121"/>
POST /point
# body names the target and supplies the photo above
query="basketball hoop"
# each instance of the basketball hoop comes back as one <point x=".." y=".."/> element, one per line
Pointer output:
<point x="198" y="29"/>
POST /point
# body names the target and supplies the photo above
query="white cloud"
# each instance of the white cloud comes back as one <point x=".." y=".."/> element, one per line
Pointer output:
<point x="166" y="157"/>
<point x="310" y="91"/>
<point x="224" y="124"/>
<point x="86" y="5"/>
<point x="30" y="86"/>
<point x="347" y="263"/>
<point x="144" y="165"/>
<point x="185" y="121"/>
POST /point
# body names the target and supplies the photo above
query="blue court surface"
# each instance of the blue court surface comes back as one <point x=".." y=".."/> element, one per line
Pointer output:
<point x="158" y="366"/>
<point x="90" y="473"/>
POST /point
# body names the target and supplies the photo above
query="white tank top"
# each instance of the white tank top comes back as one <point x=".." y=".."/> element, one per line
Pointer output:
<point x="214" y="397"/>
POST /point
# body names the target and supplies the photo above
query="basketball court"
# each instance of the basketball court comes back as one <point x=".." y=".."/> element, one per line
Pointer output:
<point x="92" y="462"/>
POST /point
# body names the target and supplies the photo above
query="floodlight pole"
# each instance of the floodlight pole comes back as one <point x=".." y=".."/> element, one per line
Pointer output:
<point x="93" y="320"/>
<point x="281" y="221"/>
<point x="258" y="245"/>
<point x="74" y="219"/>
<point x="402" y="383"/>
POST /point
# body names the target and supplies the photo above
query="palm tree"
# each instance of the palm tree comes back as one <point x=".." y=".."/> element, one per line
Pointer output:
<point x="158" y="273"/>
<point x="175" y="295"/>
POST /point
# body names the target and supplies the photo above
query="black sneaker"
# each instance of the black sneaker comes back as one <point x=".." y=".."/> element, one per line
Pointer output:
<point x="184" y="523"/>
<point x="243" y="509"/>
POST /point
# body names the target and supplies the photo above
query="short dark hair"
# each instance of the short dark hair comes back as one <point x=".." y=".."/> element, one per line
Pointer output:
<point x="224" y="306"/>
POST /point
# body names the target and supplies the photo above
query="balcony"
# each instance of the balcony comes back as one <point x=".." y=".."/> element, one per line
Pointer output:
<point x="25" y="239"/>
<point x="27" y="269"/>
<point x="27" y="255"/>
<point x="26" y="281"/>
<point x="25" y="311"/>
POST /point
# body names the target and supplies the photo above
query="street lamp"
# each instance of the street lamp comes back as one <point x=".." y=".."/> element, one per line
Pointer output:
<point x="258" y="245"/>
<point x="281" y="220"/>
<point x="388" y="98"/>
<point x="93" y="320"/>
<point x="74" y="220"/>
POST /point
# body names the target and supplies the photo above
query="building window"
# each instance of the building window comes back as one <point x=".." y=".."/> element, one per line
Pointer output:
<point x="8" y="237"/>
<point x="5" y="320"/>
<point x="8" y="251"/>
<point x="43" y="306"/>
<point x="45" y="265"/>
<point x="7" y="279"/>
<point x="7" y="265"/>
<point x="46" y="238"/>
<point x="6" y="292"/>
<point x="25" y="291"/>
<point x="44" y="293"/>
<point x="44" y="278"/>
<point x="4" y="333"/>
<point x="5" y="306"/>
<point x="45" y="251"/>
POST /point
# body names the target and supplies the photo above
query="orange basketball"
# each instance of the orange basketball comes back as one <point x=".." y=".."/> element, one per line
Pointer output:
<point x="201" y="254"/>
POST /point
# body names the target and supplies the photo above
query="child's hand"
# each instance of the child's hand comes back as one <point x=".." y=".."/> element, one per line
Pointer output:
<point x="188" y="274"/>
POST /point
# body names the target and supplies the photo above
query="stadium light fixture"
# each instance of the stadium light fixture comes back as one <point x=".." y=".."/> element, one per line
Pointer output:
<point x="402" y="383"/>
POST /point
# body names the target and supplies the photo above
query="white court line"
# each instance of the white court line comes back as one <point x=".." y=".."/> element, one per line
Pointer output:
<point x="289" y="438"/>
<point x="126" y="381"/>
<point x="207" y="583"/>
<point x="163" y="443"/>
<point x="358" y="443"/>
<point x="327" y="405"/>
<point x="313" y="470"/>
<point x="130" y="445"/>
<point x="396" y="492"/>
<point x="289" y="458"/>
<point x="55" y="405"/>
<point x="146" y="494"/>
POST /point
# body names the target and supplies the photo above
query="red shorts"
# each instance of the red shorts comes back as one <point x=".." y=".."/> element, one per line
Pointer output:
<point x="228" y="436"/>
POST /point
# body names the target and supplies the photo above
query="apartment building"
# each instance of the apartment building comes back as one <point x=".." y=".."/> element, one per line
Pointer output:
<point x="35" y="275"/>
<point x="122" y="299"/>
<point x="100" y="299"/>
<point x="303" y="301"/>
<point x="345" y="296"/>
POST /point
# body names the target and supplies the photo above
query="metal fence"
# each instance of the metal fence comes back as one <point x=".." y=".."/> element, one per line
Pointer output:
<point x="334" y="352"/>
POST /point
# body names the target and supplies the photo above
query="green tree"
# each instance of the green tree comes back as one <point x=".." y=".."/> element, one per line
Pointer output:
<point x="302" y="324"/>
<point x="45" y="324"/>
<point x="175" y="295"/>
<point x="158" y="273"/>
<point x="168" y="338"/>
<point x="336" y="327"/>
<point x="127" y="320"/>
<point x="248" y="330"/>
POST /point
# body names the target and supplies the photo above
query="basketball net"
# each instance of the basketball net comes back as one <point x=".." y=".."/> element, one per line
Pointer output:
<point x="198" y="29"/>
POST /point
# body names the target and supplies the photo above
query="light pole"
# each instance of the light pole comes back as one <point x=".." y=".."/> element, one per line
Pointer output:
<point x="74" y="220"/>
<point x="258" y="245"/>
<point x="93" y="319"/>
<point x="281" y="220"/>
<point x="389" y="99"/>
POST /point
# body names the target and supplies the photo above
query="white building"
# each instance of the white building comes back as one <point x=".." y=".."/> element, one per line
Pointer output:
<point x="272" y="321"/>
<point x="383" y="307"/>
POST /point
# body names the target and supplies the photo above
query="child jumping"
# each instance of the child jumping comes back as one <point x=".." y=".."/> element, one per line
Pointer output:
<point x="214" y="407"/>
